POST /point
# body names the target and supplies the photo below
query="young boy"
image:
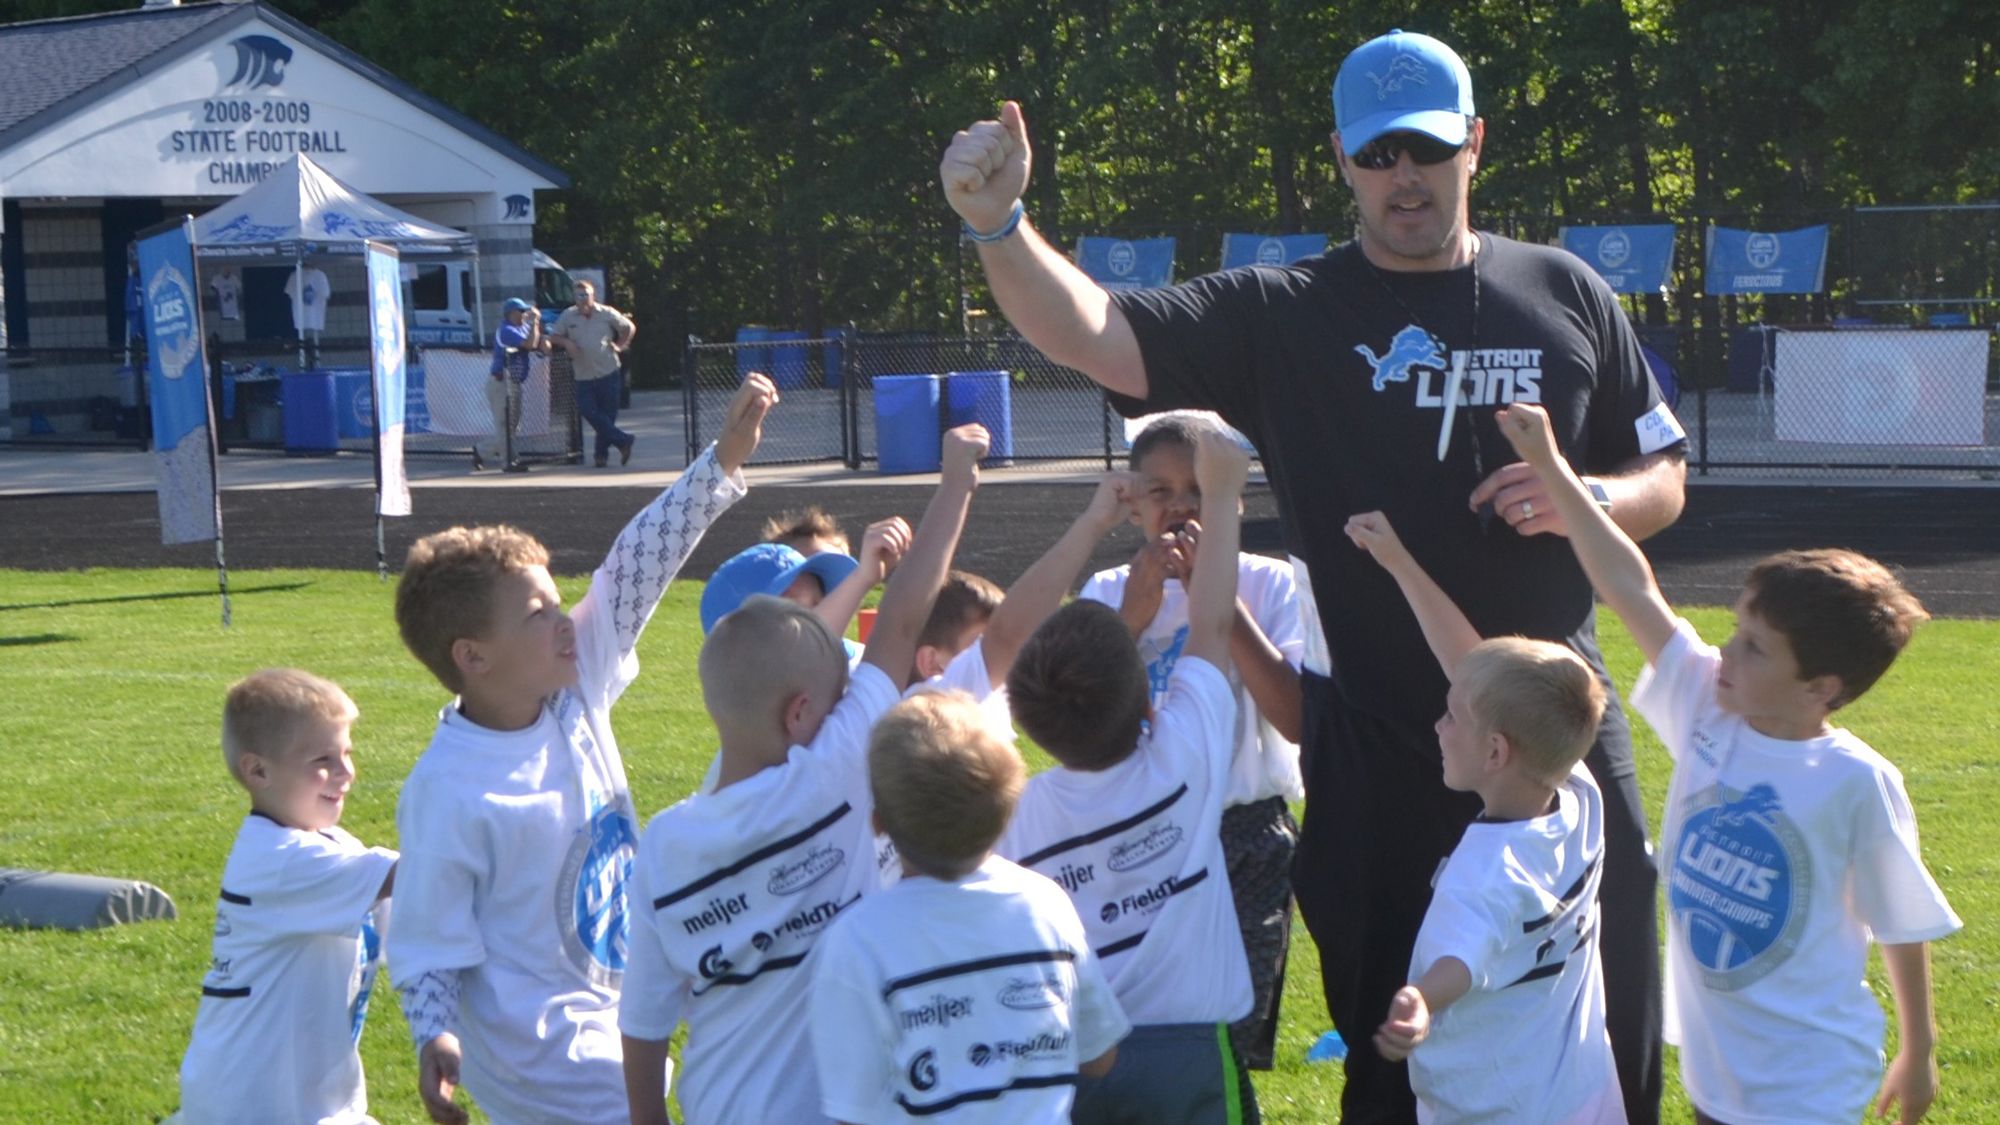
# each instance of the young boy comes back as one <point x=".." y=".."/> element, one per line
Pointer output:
<point x="1266" y="644"/>
<point x="516" y="823"/>
<point x="830" y="584"/>
<point x="967" y="992"/>
<point x="1788" y="843"/>
<point x="810" y="530"/>
<point x="1508" y="951"/>
<point x="1129" y="825"/>
<point x="295" y="945"/>
<point x="736" y="886"/>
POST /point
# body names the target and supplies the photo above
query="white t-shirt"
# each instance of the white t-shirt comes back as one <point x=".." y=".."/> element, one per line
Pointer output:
<point x="734" y="888"/>
<point x="1781" y="860"/>
<point x="1516" y="901"/>
<point x="1139" y="849"/>
<point x="1267" y="764"/>
<point x="966" y="1001"/>
<point x="228" y="292"/>
<point x="296" y="948"/>
<point x="308" y="290"/>
<point x="518" y="846"/>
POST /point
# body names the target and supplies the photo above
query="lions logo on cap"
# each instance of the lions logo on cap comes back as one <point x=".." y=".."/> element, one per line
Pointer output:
<point x="1402" y="70"/>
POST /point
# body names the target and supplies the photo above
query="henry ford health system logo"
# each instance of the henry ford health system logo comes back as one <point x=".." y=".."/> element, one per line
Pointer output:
<point x="591" y="899"/>
<point x="1741" y="885"/>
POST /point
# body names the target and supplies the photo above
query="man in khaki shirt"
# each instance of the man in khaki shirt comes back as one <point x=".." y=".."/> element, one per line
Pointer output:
<point x="596" y="336"/>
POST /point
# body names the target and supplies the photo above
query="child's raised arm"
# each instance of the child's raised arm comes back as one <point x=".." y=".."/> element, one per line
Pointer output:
<point x="1040" y="589"/>
<point x="906" y="603"/>
<point x="882" y="546"/>
<point x="1445" y="628"/>
<point x="1220" y="467"/>
<point x="1615" y="565"/>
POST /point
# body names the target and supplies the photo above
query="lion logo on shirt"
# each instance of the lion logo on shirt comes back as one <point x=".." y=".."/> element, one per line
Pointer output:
<point x="591" y="905"/>
<point x="1740" y="885"/>
<point x="1411" y="348"/>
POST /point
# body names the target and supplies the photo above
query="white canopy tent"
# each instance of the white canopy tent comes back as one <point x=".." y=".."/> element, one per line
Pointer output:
<point x="300" y="211"/>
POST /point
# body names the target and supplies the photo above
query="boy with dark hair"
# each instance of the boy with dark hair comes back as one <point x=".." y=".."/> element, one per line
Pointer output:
<point x="810" y="530"/>
<point x="516" y="823"/>
<point x="1266" y="644"/>
<point x="1789" y="844"/>
<point x="966" y="992"/>
<point x="1129" y="825"/>
<point x="737" y="885"/>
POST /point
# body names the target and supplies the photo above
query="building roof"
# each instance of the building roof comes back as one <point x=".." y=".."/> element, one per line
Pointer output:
<point x="51" y="68"/>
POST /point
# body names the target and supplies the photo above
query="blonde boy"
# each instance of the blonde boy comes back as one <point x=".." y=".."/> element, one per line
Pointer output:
<point x="516" y="823"/>
<point x="1788" y="843"/>
<point x="967" y="992"/>
<point x="296" y="931"/>
<point x="736" y="886"/>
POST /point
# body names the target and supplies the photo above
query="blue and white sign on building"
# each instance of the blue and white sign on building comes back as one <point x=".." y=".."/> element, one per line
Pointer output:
<point x="1269" y="249"/>
<point x="1127" y="263"/>
<point x="386" y="355"/>
<point x="1636" y="259"/>
<point x="1755" y="261"/>
<point x="177" y="387"/>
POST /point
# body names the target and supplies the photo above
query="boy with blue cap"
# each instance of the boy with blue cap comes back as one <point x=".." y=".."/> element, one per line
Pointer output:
<point x="519" y="334"/>
<point x="1367" y="379"/>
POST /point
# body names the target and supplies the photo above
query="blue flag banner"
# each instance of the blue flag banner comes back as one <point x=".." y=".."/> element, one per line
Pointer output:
<point x="1127" y="263"/>
<point x="1269" y="249"/>
<point x="388" y="356"/>
<point x="1630" y="259"/>
<point x="1755" y="261"/>
<point x="177" y="387"/>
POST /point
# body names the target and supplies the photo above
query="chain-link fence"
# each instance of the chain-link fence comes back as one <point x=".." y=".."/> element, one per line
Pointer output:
<point x="884" y="400"/>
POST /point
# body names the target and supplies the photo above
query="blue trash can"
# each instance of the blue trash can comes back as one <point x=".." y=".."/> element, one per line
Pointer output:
<point x="310" y="425"/>
<point x="354" y="402"/>
<point x="985" y="397"/>
<point x="788" y="360"/>
<point x="906" y="424"/>
<point x="751" y="354"/>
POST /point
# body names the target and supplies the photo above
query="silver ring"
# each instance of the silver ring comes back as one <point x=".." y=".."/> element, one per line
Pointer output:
<point x="1527" y="509"/>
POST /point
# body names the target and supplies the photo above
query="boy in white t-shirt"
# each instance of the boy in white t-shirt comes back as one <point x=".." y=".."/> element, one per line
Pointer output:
<point x="516" y="823"/>
<point x="1788" y="843"/>
<point x="296" y="932"/>
<point x="1130" y="826"/>
<point x="1266" y="643"/>
<point x="967" y="991"/>
<point x="1508" y="949"/>
<point x="736" y="886"/>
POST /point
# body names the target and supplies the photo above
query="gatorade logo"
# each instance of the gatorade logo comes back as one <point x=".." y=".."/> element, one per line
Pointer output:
<point x="923" y="1070"/>
<point x="713" y="964"/>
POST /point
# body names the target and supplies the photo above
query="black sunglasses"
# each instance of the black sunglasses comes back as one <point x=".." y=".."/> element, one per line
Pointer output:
<point x="1382" y="153"/>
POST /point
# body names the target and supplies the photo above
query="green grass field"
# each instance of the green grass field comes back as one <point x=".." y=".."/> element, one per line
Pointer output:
<point x="113" y="682"/>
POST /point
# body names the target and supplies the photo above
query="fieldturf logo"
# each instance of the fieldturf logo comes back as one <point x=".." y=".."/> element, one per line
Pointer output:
<point x="1129" y="854"/>
<point x="940" y="1011"/>
<point x="260" y="61"/>
<point x="1147" y="901"/>
<point x="1049" y="1044"/>
<point x="791" y="878"/>
<point x="808" y="921"/>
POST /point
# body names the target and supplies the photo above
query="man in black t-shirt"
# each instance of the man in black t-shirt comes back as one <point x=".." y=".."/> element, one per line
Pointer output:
<point x="1368" y="378"/>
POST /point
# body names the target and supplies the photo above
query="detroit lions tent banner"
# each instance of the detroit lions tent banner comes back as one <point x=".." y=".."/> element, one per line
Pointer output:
<point x="1755" y="261"/>
<point x="1630" y="259"/>
<point x="1127" y="263"/>
<point x="1269" y="249"/>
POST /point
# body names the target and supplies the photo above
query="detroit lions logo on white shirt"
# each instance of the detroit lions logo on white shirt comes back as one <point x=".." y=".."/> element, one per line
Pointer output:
<point x="1741" y="885"/>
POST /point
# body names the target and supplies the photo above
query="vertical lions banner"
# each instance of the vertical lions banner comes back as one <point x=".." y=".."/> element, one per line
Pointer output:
<point x="1269" y="249"/>
<point x="1629" y="259"/>
<point x="177" y="384"/>
<point x="1125" y="263"/>
<point x="391" y="390"/>
<point x="1756" y="261"/>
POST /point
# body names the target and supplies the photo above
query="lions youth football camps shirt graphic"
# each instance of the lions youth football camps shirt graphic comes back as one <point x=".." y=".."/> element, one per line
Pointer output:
<point x="734" y="888"/>
<point x="519" y="845"/>
<point x="295" y="954"/>
<point x="1782" y="860"/>
<point x="974" y="999"/>
<point x="1139" y="849"/>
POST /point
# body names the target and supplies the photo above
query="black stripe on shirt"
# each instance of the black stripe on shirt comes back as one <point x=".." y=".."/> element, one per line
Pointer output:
<point x="1032" y="1082"/>
<point x="775" y="964"/>
<point x="1142" y="817"/>
<point x="960" y="969"/>
<point x="1123" y="944"/>
<point x="225" y="993"/>
<point x="232" y="897"/>
<point x="1540" y="971"/>
<point x="763" y="853"/>
<point x="1567" y="901"/>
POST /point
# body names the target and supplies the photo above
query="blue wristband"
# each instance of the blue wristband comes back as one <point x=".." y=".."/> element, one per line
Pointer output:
<point x="1013" y="220"/>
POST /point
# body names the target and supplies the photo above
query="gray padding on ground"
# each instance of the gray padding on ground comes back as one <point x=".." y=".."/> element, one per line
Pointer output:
<point x="51" y="900"/>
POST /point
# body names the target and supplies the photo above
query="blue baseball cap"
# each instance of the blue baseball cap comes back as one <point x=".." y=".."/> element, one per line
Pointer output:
<point x="1401" y="80"/>
<point x="515" y="304"/>
<point x="767" y="568"/>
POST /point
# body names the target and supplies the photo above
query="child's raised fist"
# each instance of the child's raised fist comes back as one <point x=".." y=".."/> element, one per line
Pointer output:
<point x="1527" y="430"/>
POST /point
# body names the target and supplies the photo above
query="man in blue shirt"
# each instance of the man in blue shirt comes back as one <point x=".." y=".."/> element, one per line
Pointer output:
<point x="519" y="335"/>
